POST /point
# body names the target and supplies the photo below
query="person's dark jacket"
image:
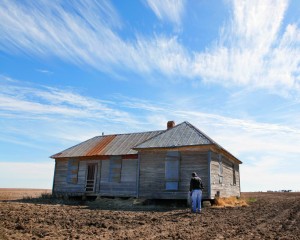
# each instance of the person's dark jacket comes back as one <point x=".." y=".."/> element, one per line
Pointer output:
<point x="196" y="183"/>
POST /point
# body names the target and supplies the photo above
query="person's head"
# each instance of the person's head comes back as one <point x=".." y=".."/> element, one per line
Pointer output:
<point x="194" y="174"/>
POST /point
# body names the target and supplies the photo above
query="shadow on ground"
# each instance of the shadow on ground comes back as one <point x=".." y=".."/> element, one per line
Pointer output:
<point x="107" y="203"/>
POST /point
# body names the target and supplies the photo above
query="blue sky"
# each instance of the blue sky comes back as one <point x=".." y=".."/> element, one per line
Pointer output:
<point x="70" y="70"/>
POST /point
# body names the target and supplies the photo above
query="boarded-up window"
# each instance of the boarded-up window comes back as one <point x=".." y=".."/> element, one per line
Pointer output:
<point x="172" y="166"/>
<point x="220" y="169"/>
<point x="72" y="175"/>
<point x="115" y="166"/>
<point x="129" y="170"/>
<point x="233" y="172"/>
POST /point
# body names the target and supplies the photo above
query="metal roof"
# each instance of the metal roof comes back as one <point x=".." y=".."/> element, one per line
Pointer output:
<point x="184" y="134"/>
<point x="118" y="144"/>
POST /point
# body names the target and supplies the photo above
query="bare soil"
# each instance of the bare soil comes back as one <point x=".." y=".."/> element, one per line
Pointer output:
<point x="268" y="216"/>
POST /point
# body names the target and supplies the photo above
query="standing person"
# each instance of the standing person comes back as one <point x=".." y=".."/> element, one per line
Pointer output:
<point x="196" y="187"/>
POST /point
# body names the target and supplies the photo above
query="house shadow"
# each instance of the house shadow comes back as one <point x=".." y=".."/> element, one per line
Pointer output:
<point x="141" y="205"/>
<point x="48" y="199"/>
<point x="108" y="203"/>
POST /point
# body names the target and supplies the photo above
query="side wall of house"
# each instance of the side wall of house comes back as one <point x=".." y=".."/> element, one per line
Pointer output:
<point x="61" y="185"/>
<point x="222" y="177"/>
<point x="105" y="184"/>
<point x="124" y="185"/>
<point x="153" y="176"/>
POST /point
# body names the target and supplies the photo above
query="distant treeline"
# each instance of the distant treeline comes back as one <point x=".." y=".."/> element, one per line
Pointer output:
<point x="280" y="191"/>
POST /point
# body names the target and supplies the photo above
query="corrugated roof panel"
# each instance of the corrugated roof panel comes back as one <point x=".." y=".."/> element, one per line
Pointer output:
<point x="126" y="144"/>
<point x="177" y="138"/>
<point x="142" y="138"/>
<point x="79" y="149"/>
<point x="183" y="134"/>
<point x="191" y="138"/>
<point x="156" y="141"/>
<point x="82" y="149"/>
<point x="146" y="138"/>
<point x="119" y="144"/>
<point x="132" y="139"/>
<point x="97" y="150"/>
<point x="169" y="137"/>
<point x="139" y="138"/>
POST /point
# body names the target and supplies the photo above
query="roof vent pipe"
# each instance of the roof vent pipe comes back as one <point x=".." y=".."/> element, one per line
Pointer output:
<point x="102" y="133"/>
<point x="170" y="124"/>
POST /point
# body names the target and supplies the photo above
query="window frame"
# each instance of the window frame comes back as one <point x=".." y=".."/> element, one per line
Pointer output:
<point x="220" y="160"/>
<point x="115" y="169"/>
<point x="72" y="171"/>
<point x="172" y="171"/>
<point x="233" y="175"/>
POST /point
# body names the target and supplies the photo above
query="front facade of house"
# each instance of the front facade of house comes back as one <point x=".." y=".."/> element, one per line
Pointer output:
<point x="153" y="165"/>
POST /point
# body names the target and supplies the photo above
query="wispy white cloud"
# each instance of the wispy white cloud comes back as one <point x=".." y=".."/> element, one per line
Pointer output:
<point x="44" y="71"/>
<point x="170" y="10"/>
<point x="82" y="33"/>
<point x="78" y="32"/>
<point x="39" y="112"/>
<point x="76" y="111"/>
<point x="251" y="50"/>
<point x="254" y="48"/>
<point x="48" y="101"/>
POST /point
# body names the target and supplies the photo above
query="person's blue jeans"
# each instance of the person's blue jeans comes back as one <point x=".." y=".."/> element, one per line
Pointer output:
<point x="196" y="200"/>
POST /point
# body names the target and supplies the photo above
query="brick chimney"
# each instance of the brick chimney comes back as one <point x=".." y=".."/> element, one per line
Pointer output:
<point x="170" y="124"/>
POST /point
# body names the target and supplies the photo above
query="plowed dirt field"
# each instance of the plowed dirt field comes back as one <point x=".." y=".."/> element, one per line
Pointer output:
<point x="269" y="216"/>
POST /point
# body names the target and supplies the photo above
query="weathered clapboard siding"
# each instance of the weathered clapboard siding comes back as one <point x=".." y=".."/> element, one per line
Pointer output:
<point x="152" y="174"/>
<point x="127" y="184"/>
<point x="226" y="188"/>
<point x="60" y="179"/>
<point x="194" y="162"/>
<point x="61" y="184"/>
<point x="125" y="187"/>
<point x="104" y="172"/>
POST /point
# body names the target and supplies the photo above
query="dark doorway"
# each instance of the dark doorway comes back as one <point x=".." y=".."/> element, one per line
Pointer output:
<point x="91" y="177"/>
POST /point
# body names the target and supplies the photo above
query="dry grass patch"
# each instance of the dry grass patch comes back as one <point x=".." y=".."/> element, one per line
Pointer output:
<point x="230" y="202"/>
<point x="19" y="193"/>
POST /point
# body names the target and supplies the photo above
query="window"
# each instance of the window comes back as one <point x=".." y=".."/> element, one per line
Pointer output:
<point x="72" y="174"/>
<point x="172" y="166"/>
<point x="220" y="169"/>
<point x="115" y="166"/>
<point x="233" y="172"/>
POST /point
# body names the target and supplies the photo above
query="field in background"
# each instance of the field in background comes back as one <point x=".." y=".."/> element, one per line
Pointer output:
<point x="19" y="193"/>
<point x="268" y="216"/>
